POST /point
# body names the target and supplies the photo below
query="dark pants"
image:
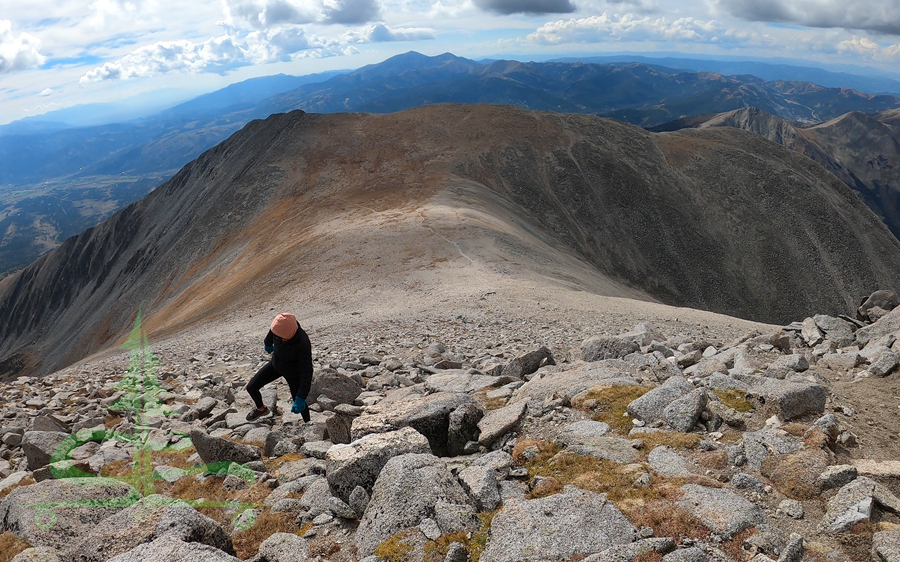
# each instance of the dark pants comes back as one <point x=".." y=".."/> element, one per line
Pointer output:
<point x="267" y="375"/>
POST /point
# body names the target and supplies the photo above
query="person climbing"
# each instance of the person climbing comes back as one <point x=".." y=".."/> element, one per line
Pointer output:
<point x="291" y="359"/>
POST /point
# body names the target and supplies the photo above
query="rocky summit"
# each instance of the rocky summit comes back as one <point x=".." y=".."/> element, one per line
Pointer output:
<point x="490" y="439"/>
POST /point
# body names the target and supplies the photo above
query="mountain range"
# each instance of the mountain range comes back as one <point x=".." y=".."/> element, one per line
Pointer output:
<point x="350" y="209"/>
<point x="56" y="179"/>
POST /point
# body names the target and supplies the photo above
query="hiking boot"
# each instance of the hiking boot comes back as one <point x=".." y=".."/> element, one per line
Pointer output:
<point x="257" y="413"/>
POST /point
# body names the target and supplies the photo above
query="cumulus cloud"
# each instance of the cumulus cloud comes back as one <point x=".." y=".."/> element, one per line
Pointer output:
<point x="18" y="52"/>
<point x="217" y="54"/>
<point x="265" y="14"/>
<point x="507" y="7"/>
<point x="46" y="92"/>
<point x="882" y="16"/>
<point x="599" y="29"/>
<point x="869" y="49"/>
<point x="380" y="33"/>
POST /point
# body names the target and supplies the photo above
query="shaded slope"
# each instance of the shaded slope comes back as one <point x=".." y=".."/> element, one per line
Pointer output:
<point x="862" y="150"/>
<point x="351" y="205"/>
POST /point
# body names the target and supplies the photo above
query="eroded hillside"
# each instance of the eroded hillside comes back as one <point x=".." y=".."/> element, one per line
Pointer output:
<point x="387" y="212"/>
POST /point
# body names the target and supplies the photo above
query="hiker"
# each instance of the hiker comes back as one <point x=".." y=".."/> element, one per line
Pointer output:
<point x="291" y="359"/>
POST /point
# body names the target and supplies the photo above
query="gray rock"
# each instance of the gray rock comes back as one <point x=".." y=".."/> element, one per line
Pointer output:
<point x="151" y="518"/>
<point x="528" y="363"/>
<point x="690" y="554"/>
<point x="793" y="362"/>
<point x="886" y="545"/>
<point x="359" y="499"/>
<point x="886" y="325"/>
<point x="283" y="547"/>
<point x="667" y="462"/>
<point x="339" y="426"/>
<point x="589" y="438"/>
<point x="811" y="333"/>
<point x="462" y="428"/>
<point x="459" y="381"/>
<point x="39" y="447"/>
<point x="791" y="508"/>
<point x="360" y="462"/>
<point x="168" y="548"/>
<point x="885" y="363"/>
<point x="501" y="461"/>
<point x="574" y="381"/>
<point x="836" y="476"/>
<point x="794" y="550"/>
<point x="760" y="444"/>
<point x="298" y="486"/>
<point x="628" y="552"/>
<point x="293" y="470"/>
<point x="836" y="330"/>
<point x="430" y="529"/>
<point x="316" y="449"/>
<point x="288" y="505"/>
<point x="855" y="502"/>
<point x="683" y="413"/>
<point x="429" y="415"/>
<point x="51" y="423"/>
<point x="204" y="407"/>
<point x="723" y="512"/>
<point x="454" y="517"/>
<point x="38" y="554"/>
<point x="574" y="522"/>
<point x="483" y="486"/>
<point x="598" y="348"/>
<point x="216" y="450"/>
<point x="330" y="383"/>
<point x="13" y="480"/>
<point x="885" y="300"/>
<point x="649" y="407"/>
<point x="841" y="361"/>
<point x="497" y="423"/>
<point x="405" y="493"/>
<point x="456" y="552"/>
<point x="317" y="498"/>
<point x="56" y="513"/>
<point x="788" y="399"/>
<point x="743" y="481"/>
<point x="340" y="509"/>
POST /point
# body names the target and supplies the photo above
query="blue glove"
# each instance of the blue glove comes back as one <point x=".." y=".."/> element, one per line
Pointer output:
<point x="299" y="405"/>
<point x="270" y="348"/>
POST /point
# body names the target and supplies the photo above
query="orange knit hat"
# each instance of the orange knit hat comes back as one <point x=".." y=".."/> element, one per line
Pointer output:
<point x="285" y="325"/>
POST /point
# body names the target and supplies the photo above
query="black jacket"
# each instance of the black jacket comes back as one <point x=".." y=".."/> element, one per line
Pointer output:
<point x="292" y="359"/>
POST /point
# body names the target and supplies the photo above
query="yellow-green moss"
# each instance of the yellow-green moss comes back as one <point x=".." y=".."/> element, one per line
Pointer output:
<point x="608" y="404"/>
<point x="394" y="549"/>
<point x="734" y="399"/>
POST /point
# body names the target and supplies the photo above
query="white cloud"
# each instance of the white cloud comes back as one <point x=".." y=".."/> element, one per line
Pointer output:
<point x="46" y="92"/>
<point x="507" y="7"/>
<point x="380" y="33"/>
<point x="265" y="14"/>
<point x="603" y="28"/>
<point x="882" y="16"/>
<point x="18" y="52"/>
<point x="868" y="48"/>
<point x="216" y="54"/>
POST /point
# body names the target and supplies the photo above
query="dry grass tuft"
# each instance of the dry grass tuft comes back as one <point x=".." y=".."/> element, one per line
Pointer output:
<point x="436" y="550"/>
<point x="795" y="475"/>
<point x="673" y="440"/>
<point x="532" y="451"/>
<point x="176" y="459"/>
<point x="856" y="542"/>
<point x="394" y="549"/>
<point x="735" y="399"/>
<point x="734" y="547"/>
<point x="112" y="421"/>
<point x="274" y="464"/>
<point x="10" y="546"/>
<point x="246" y="542"/>
<point x="716" y="460"/>
<point x="665" y="518"/>
<point x="608" y="404"/>
<point x="27" y="481"/>
<point x="649" y="557"/>
<point x="323" y="548"/>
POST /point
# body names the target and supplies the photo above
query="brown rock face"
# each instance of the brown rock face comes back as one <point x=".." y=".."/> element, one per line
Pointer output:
<point x="351" y="205"/>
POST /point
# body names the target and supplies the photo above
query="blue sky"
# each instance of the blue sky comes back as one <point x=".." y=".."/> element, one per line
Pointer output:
<point x="58" y="53"/>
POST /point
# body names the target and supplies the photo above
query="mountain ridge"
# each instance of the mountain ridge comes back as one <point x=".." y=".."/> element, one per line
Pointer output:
<point x="313" y="200"/>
